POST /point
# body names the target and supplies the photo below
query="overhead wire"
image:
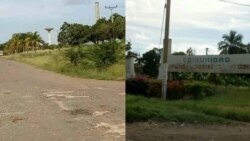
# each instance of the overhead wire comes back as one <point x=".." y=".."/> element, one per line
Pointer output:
<point x="241" y="4"/>
<point x="163" y="19"/>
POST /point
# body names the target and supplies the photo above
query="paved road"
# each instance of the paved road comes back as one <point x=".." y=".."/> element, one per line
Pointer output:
<point x="38" y="105"/>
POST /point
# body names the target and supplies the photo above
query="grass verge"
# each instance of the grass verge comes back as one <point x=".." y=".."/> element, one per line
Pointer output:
<point x="229" y="104"/>
<point x="54" y="60"/>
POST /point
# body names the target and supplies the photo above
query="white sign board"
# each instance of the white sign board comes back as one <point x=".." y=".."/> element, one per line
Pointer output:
<point x="238" y="63"/>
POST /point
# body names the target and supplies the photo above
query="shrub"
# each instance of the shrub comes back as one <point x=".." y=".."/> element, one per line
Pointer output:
<point x="196" y="91"/>
<point x="75" y="55"/>
<point x="105" y="54"/>
<point x="199" y="90"/>
<point x="137" y="85"/>
<point x="176" y="90"/>
<point x="154" y="88"/>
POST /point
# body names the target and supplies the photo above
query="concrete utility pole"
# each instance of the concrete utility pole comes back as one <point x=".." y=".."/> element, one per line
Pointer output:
<point x="97" y="11"/>
<point x="111" y="8"/>
<point x="207" y="50"/>
<point x="165" y="50"/>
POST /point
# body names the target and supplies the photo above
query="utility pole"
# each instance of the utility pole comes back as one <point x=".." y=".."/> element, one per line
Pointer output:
<point x="111" y="8"/>
<point x="97" y="11"/>
<point x="165" y="50"/>
<point x="207" y="50"/>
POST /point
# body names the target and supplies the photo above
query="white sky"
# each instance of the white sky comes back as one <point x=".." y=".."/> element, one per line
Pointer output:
<point x="194" y="23"/>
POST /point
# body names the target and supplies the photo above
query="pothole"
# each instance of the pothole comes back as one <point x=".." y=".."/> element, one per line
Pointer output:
<point x="80" y="112"/>
<point x="16" y="119"/>
<point x="6" y="92"/>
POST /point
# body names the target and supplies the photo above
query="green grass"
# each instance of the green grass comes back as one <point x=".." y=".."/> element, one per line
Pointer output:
<point x="229" y="104"/>
<point x="54" y="60"/>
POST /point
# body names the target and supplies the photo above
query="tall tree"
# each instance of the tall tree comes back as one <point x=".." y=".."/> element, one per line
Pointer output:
<point x="34" y="40"/>
<point x="118" y="26"/>
<point x="21" y="42"/>
<point x="190" y="51"/>
<point x="73" y="34"/>
<point x="101" y="31"/>
<point x="231" y="44"/>
<point x="151" y="62"/>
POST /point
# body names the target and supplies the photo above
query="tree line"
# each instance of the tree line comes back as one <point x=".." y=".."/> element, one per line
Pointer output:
<point x="71" y="34"/>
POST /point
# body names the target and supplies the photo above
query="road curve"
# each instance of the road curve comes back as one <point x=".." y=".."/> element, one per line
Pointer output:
<point x="40" y="105"/>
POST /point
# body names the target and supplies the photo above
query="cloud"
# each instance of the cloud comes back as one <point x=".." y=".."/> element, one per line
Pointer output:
<point x="195" y="23"/>
<point x="141" y="36"/>
<point x="77" y="2"/>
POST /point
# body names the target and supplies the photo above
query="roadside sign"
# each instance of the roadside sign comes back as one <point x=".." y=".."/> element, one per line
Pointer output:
<point x="238" y="63"/>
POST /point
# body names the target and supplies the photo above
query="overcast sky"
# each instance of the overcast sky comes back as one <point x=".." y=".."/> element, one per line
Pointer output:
<point x="35" y="15"/>
<point x="198" y="24"/>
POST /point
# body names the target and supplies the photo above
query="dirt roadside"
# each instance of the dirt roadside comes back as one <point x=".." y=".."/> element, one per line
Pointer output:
<point x="45" y="106"/>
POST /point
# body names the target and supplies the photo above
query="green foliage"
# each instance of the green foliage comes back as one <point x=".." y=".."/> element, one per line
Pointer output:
<point x="55" y="60"/>
<point x="99" y="56"/>
<point x="23" y="42"/>
<point x="227" y="104"/>
<point x="200" y="90"/>
<point x="190" y="51"/>
<point x="101" y="31"/>
<point x="231" y="44"/>
<point x="154" y="88"/>
<point x="141" y="85"/>
<point x="232" y="79"/>
<point x="137" y="85"/>
<point x="175" y="90"/>
<point x="75" y="55"/>
<point x="107" y="53"/>
<point x="73" y="34"/>
<point x="144" y="109"/>
<point x="118" y="26"/>
<point x="150" y="62"/>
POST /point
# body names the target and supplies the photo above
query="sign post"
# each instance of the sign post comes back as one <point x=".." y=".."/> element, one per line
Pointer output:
<point x="165" y="50"/>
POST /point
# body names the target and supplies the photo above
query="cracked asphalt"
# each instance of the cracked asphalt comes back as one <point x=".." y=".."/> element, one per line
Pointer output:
<point x="45" y="106"/>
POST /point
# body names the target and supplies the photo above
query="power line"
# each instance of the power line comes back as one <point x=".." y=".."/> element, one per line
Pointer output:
<point x="241" y="4"/>
<point x="163" y="19"/>
<point x="111" y="8"/>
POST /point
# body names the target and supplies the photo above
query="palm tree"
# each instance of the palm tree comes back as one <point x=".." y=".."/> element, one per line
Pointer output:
<point x="33" y="40"/>
<point x="231" y="44"/>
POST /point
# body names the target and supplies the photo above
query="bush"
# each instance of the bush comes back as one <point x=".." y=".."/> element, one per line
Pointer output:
<point x="154" y="88"/>
<point x="105" y="54"/>
<point x="137" y="85"/>
<point x="176" y="90"/>
<point x="196" y="91"/>
<point x="141" y="85"/>
<point x="199" y="90"/>
<point x="75" y="55"/>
